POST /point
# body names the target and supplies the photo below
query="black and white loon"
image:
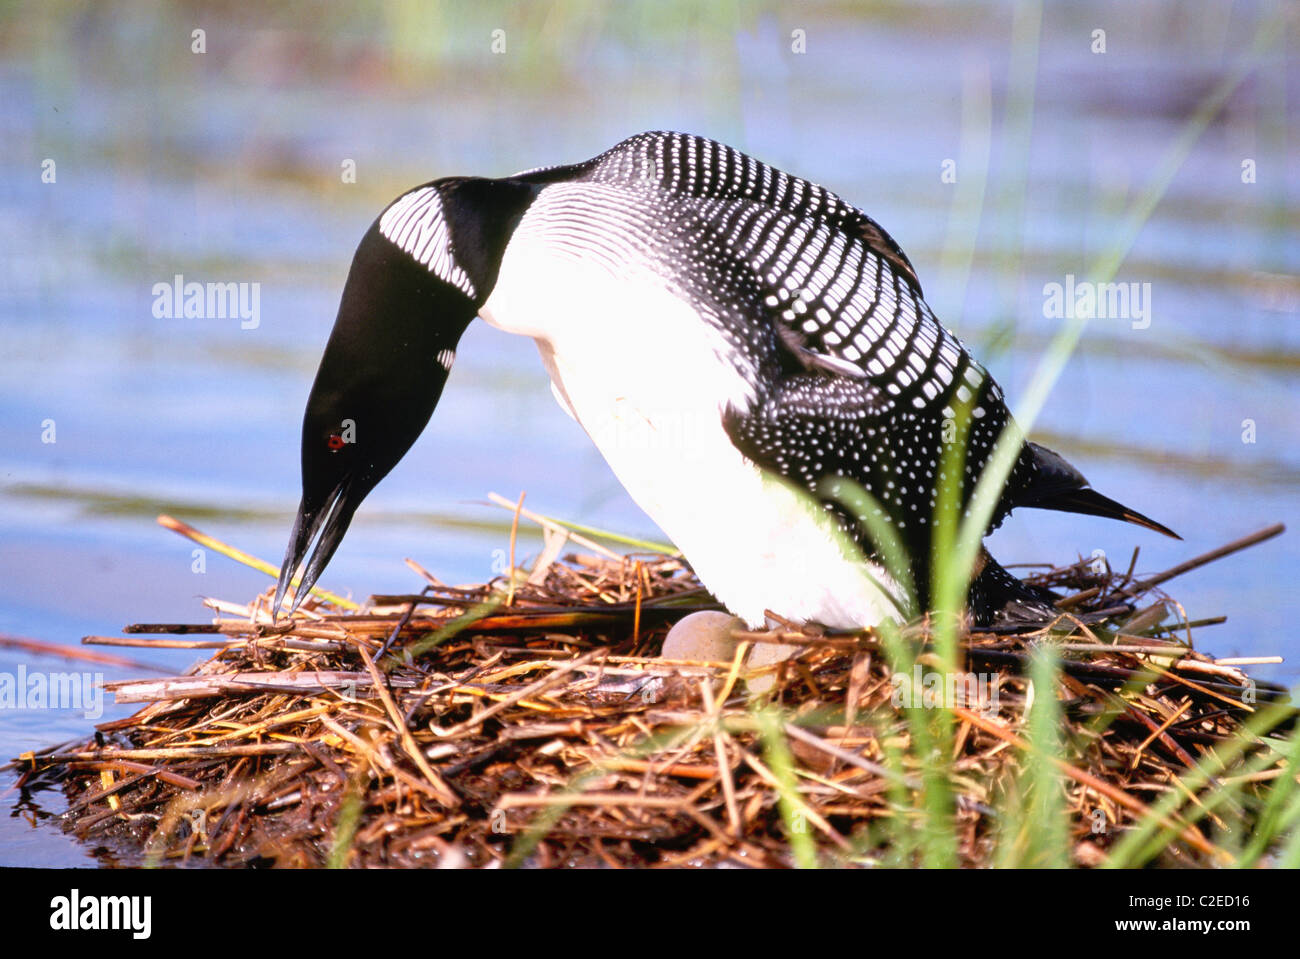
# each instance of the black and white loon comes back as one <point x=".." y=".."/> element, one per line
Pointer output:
<point x="712" y="323"/>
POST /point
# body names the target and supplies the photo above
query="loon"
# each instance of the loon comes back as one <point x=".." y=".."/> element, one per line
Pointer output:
<point x="738" y="342"/>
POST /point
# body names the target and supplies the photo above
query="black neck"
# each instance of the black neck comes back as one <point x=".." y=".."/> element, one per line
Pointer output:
<point x="481" y="216"/>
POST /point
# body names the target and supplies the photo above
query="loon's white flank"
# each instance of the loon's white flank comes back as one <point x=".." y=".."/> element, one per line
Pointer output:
<point x="649" y="380"/>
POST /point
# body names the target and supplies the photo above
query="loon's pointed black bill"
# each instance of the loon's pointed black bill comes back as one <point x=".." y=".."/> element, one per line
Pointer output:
<point x="1091" y="502"/>
<point x="330" y="520"/>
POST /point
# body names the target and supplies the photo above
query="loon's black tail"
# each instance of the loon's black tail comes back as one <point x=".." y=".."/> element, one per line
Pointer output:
<point x="1058" y="485"/>
<point x="996" y="596"/>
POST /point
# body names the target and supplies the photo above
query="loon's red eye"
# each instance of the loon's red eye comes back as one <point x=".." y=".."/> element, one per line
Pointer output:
<point x="335" y="442"/>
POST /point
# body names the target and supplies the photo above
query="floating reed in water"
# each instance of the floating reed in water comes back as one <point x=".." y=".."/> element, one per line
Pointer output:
<point x="533" y="722"/>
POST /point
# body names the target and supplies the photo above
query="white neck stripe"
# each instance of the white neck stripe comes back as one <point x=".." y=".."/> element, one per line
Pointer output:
<point x="416" y="224"/>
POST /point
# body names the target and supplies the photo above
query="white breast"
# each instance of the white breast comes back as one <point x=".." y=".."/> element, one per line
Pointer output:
<point x="649" y="380"/>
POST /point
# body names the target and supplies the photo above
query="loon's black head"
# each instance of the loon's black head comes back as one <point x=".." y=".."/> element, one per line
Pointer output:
<point x="420" y="275"/>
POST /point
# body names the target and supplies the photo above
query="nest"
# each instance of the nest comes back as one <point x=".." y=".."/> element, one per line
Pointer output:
<point x="532" y="722"/>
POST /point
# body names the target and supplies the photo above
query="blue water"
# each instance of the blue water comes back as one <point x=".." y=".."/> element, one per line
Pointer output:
<point x="225" y="166"/>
